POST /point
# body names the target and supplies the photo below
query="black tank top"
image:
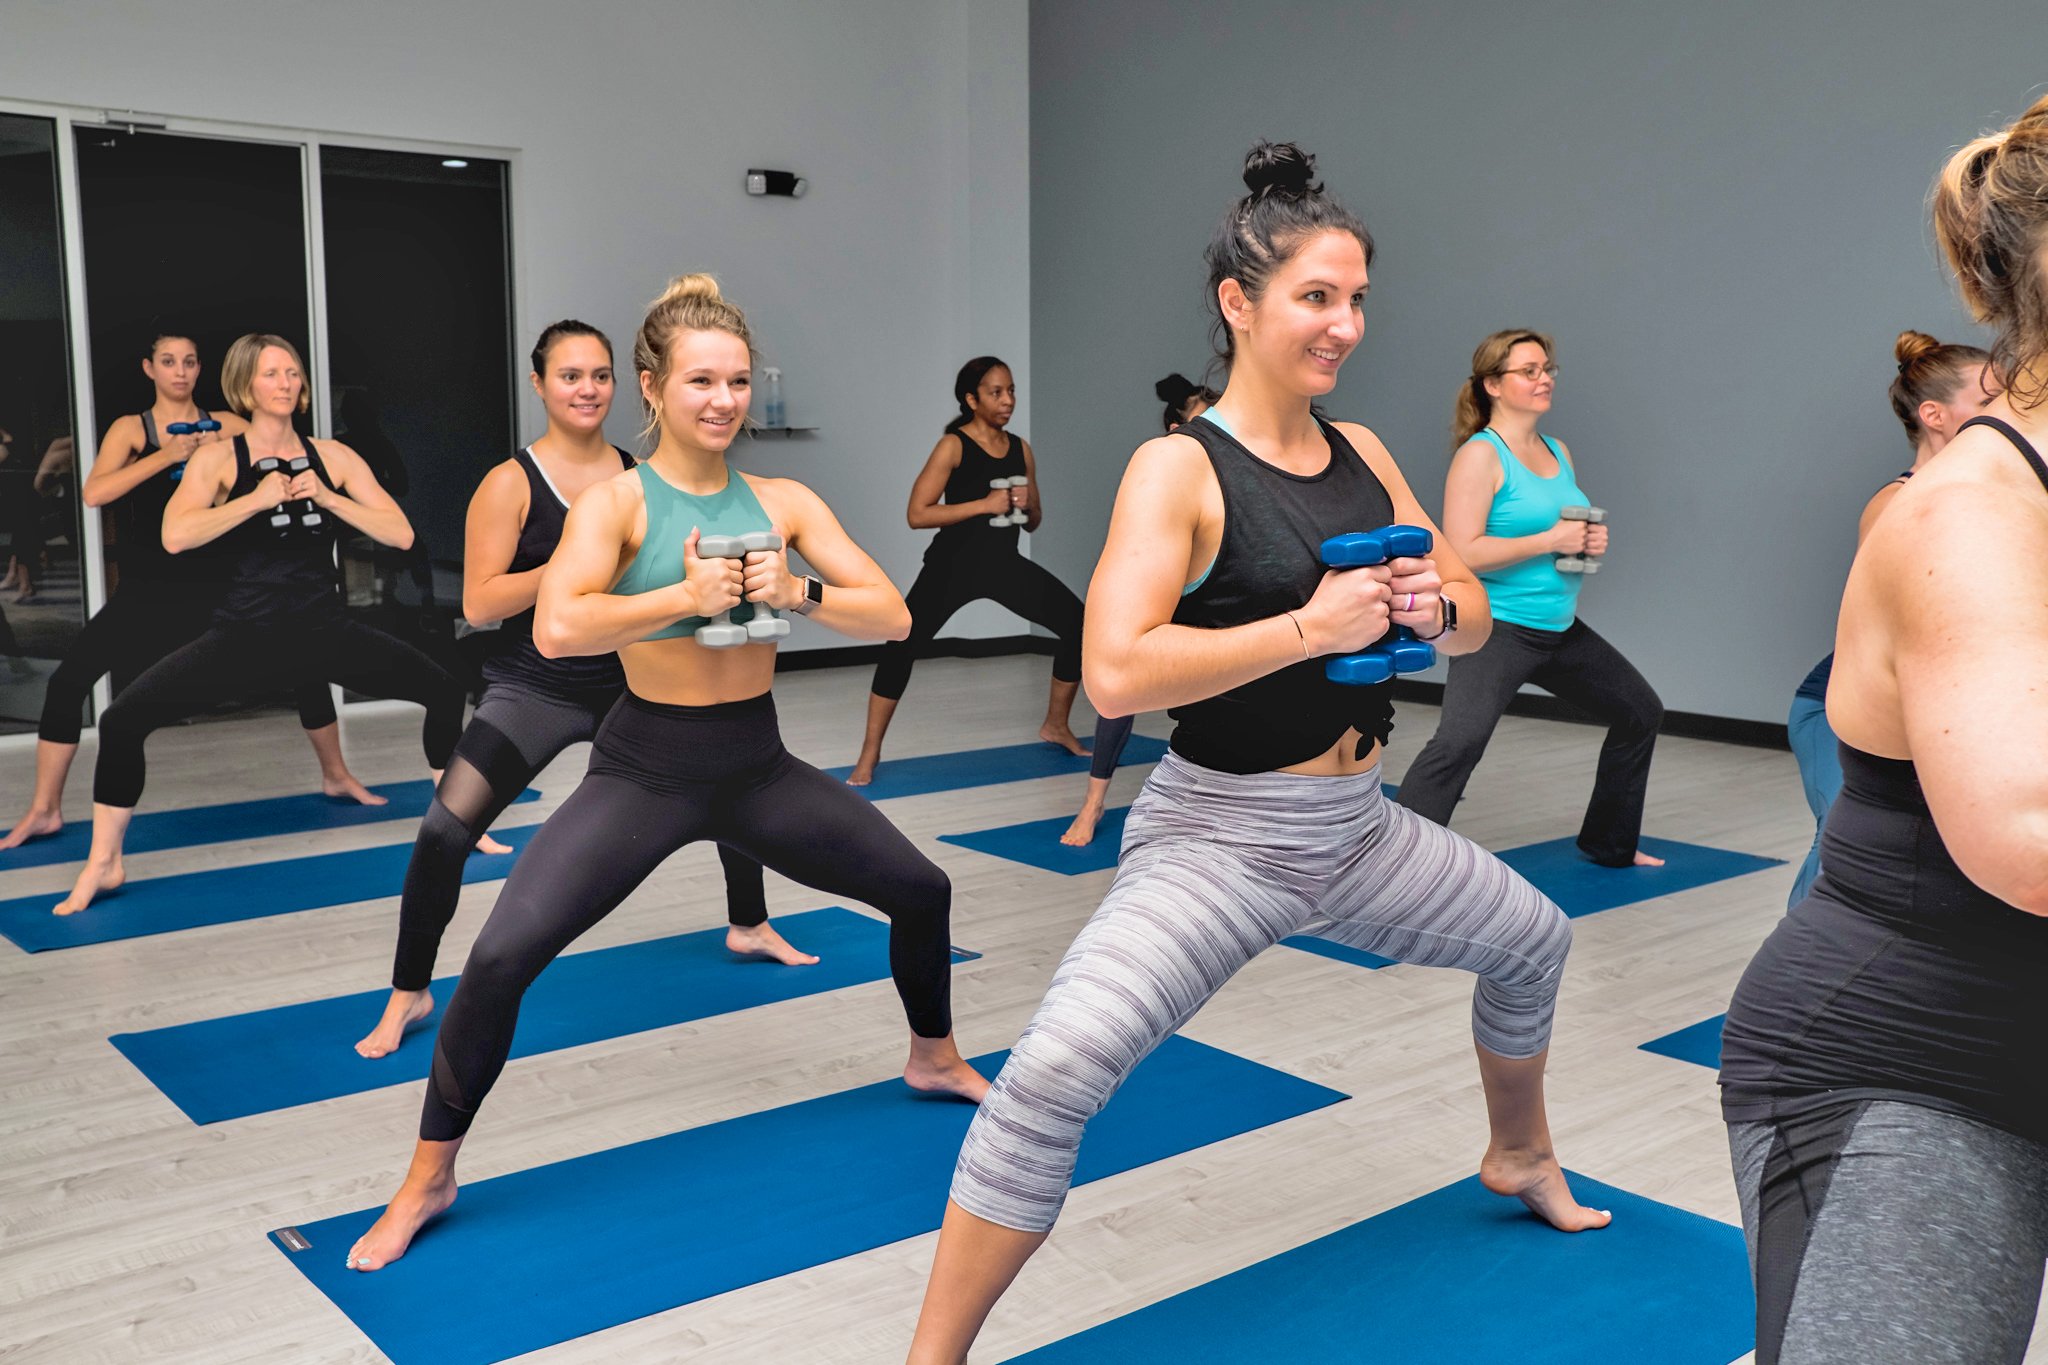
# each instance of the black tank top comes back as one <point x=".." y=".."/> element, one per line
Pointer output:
<point x="1269" y="561"/>
<point x="276" y="579"/>
<point x="513" y="659"/>
<point x="1897" y="977"/>
<point x="140" y="519"/>
<point x="969" y="483"/>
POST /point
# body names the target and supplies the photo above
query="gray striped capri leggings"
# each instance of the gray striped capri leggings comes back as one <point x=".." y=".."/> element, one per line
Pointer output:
<point x="1215" y="868"/>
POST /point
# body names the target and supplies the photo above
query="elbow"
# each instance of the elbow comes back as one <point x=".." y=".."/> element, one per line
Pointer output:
<point x="550" y="639"/>
<point x="898" y="625"/>
<point x="174" y="543"/>
<point x="479" y="619"/>
<point x="403" y="540"/>
<point x="93" y="497"/>
<point x="1109" y="691"/>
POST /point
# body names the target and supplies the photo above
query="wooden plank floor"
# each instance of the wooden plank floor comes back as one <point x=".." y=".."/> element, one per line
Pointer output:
<point x="127" y="1234"/>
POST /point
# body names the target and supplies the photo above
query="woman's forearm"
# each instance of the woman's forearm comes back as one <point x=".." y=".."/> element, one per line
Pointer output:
<point x="501" y="595"/>
<point x="868" y="613"/>
<point x="602" y="622"/>
<point x="190" y="529"/>
<point x="112" y="485"/>
<point x="1172" y="665"/>
<point x="385" y="525"/>
<point x="1484" y="554"/>
<point x="941" y="514"/>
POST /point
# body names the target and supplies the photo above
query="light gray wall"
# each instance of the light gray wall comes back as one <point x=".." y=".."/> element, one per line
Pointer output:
<point x="631" y="123"/>
<point x="1717" y="210"/>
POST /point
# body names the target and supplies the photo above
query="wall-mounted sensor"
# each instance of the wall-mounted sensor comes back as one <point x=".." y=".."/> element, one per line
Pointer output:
<point x="785" y="183"/>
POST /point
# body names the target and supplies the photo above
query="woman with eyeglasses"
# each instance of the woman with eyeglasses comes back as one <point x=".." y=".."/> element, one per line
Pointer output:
<point x="1504" y="503"/>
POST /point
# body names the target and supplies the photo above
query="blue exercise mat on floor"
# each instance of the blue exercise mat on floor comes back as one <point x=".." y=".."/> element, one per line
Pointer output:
<point x="253" y="1063"/>
<point x="1322" y="947"/>
<point x="226" y="895"/>
<point x="987" y="767"/>
<point x="547" y="1255"/>
<point x="155" y="830"/>
<point x="1582" y="887"/>
<point x="1036" y="843"/>
<point x="1460" y="1277"/>
<point x="1698" y="1043"/>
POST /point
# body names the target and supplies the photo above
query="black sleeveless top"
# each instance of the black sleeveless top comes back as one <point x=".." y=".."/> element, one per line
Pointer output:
<point x="277" y="579"/>
<point x="513" y="659"/>
<point x="140" y="516"/>
<point x="1269" y="561"/>
<point x="1897" y="977"/>
<point x="969" y="483"/>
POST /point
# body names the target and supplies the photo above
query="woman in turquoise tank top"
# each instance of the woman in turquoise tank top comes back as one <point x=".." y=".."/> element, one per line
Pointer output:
<point x="1505" y="501"/>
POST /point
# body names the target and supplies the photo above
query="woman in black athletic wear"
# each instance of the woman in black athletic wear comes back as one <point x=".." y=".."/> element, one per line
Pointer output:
<point x="692" y="750"/>
<point x="971" y="560"/>
<point x="279" y="621"/>
<point x="161" y="601"/>
<point x="1881" y="1063"/>
<point x="533" y="707"/>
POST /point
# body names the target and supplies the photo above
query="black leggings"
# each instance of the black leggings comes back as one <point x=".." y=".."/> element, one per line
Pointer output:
<point x="514" y="733"/>
<point x="1108" y="749"/>
<point x="949" y="582"/>
<point x="257" y="657"/>
<point x="660" y="777"/>
<point x="138" y="626"/>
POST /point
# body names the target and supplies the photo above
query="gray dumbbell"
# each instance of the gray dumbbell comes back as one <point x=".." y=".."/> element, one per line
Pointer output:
<point x="300" y="513"/>
<point x="721" y="631"/>
<point x="1581" y="564"/>
<point x="1016" y="516"/>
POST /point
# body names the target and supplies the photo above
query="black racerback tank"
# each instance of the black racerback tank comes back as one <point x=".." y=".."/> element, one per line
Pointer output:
<point x="969" y="483"/>
<point x="277" y="579"/>
<point x="513" y="659"/>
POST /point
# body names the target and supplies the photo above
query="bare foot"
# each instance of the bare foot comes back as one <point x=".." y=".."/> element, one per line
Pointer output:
<point x="401" y="1012"/>
<point x="1538" y="1181"/>
<point x="863" y="772"/>
<point x="408" y="1212"/>
<point x="34" y="825"/>
<point x="92" y="880"/>
<point x="946" y="1078"/>
<point x="1082" y="832"/>
<point x="1645" y="860"/>
<point x="347" y="786"/>
<point x="1062" y="736"/>
<point x="762" y="941"/>
<point x="486" y="844"/>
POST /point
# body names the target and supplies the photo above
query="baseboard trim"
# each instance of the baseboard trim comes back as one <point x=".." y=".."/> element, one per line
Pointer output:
<point x="1755" y="734"/>
<point x="843" y="656"/>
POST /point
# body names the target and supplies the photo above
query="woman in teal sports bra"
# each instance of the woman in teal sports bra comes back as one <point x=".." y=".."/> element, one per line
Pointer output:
<point x="1503" y="502"/>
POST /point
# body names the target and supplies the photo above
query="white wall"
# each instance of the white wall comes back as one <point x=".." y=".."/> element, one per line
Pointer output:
<point x="631" y="124"/>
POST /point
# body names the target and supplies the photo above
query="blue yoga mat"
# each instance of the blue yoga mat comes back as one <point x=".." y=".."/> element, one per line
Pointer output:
<point x="155" y="830"/>
<point x="1561" y="872"/>
<point x="1460" y="1277"/>
<point x="253" y="1063"/>
<point x="987" y="767"/>
<point x="1322" y="947"/>
<point x="226" y="895"/>
<point x="1698" y="1043"/>
<point x="554" y="1253"/>
<point x="1036" y="843"/>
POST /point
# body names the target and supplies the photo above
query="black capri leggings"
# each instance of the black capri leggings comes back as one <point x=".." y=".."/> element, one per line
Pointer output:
<point x="514" y="733"/>
<point x="661" y="777"/>
<point x="949" y="582"/>
<point x="138" y="626"/>
<point x="257" y="657"/>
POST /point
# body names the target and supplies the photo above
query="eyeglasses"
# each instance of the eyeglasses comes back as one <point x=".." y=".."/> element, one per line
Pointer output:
<point x="1531" y="372"/>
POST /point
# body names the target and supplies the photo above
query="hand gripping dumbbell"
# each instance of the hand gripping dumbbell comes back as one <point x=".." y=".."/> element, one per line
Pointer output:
<point x="721" y="631"/>
<point x="300" y="513"/>
<point x="1592" y="516"/>
<point x="1398" y="651"/>
<point x="1016" y="516"/>
<point x="205" y="426"/>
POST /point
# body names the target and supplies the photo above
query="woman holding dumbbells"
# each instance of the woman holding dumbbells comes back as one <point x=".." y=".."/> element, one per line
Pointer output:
<point x="1509" y="502"/>
<point x="977" y="487"/>
<point x="1267" y="819"/>
<point x="161" y="601"/>
<point x="273" y="501"/>
<point x="533" y="707"/>
<point x="692" y="750"/>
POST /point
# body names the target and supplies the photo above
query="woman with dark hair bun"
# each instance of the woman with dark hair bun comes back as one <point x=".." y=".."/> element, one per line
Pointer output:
<point x="974" y="557"/>
<point x="1267" y="818"/>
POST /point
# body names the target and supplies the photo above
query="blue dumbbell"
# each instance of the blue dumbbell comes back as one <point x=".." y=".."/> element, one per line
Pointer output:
<point x="205" y="426"/>
<point x="1398" y="651"/>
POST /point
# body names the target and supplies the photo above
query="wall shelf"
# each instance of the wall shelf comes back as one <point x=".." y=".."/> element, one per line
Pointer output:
<point x="782" y="431"/>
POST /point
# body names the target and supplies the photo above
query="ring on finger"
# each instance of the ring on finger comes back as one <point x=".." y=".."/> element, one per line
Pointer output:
<point x="1411" y="603"/>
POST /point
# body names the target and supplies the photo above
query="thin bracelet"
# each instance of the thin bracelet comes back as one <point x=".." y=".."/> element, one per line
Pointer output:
<point x="1298" y="632"/>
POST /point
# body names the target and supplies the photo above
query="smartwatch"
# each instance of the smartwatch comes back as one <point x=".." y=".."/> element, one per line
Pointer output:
<point x="1450" y="607"/>
<point x="814" y="593"/>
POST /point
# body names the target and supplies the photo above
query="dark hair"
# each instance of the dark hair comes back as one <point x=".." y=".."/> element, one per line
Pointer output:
<point x="1261" y="232"/>
<point x="556" y="331"/>
<point x="1177" y="391"/>
<point x="161" y="331"/>
<point x="1930" y="372"/>
<point x="969" y="381"/>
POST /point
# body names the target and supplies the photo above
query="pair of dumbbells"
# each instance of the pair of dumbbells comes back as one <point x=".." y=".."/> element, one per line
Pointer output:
<point x="1398" y="651"/>
<point x="1016" y="516"/>
<point x="299" y="515"/>
<point x="721" y="631"/>
<point x="1581" y="564"/>
<point x="205" y="426"/>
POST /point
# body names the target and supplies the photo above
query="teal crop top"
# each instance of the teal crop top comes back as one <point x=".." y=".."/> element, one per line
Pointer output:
<point x="1531" y="593"/>
<point x="732" y="511"/>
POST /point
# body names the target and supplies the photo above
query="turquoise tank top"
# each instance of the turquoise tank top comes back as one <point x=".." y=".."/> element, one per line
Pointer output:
<point x="732" y="511"/>
<point x="1532" y="593"/>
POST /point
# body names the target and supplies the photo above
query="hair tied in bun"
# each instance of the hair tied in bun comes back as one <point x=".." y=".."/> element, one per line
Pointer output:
<point x="1280" y="169"/>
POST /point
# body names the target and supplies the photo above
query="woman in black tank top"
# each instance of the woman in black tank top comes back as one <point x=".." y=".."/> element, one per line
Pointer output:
<point x="159" y="601"/>
<point x="279" y="621"/>
<point x="1881" y="1065"/>
<point x="972" y="560"/>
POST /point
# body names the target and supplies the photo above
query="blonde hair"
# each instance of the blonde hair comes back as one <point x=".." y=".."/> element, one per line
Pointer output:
<point x="1991" y="218"/>
<point x="1474" y="408"/>
<point x="691" y="303"/>
<point x="238" y="371"/>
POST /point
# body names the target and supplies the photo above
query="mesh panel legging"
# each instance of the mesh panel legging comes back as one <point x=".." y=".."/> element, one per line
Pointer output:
<point x="137" y="627"/>
<point x="949" y="581"/>
<point x="256" y="658"/>
<point x="1216" y="868"/>
<point x="661" y="777"/>
<point x="514" y="733"/>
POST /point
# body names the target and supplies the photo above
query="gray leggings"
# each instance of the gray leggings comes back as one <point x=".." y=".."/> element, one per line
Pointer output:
<point x="1884" y="1233"/>
<point x="1216" y="867"/>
